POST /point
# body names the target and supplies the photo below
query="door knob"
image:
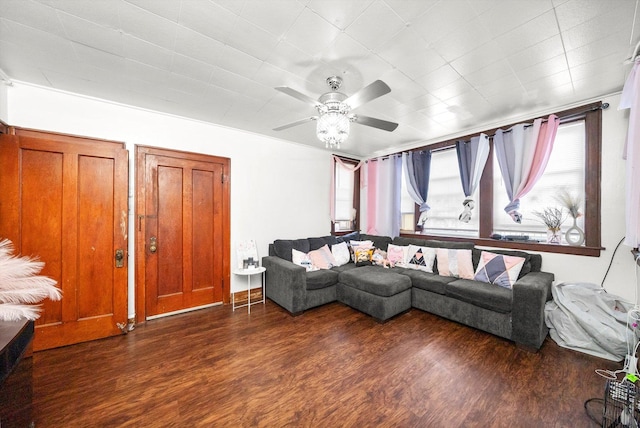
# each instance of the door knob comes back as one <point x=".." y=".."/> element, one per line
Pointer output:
<point x="153" y="244"/>
<point x="119" y="258"/>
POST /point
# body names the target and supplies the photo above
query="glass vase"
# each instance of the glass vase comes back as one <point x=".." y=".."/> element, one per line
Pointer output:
<point x="554" y="236"/>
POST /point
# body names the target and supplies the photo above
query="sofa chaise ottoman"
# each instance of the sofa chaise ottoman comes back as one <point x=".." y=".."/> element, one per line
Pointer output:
<point x="378" y="292"/>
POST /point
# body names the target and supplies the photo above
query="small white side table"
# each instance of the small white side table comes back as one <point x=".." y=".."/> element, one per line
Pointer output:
<point x="248" y="273"/>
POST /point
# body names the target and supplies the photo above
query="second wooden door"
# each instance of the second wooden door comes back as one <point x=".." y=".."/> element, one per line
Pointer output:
<point x="183" y="230"/>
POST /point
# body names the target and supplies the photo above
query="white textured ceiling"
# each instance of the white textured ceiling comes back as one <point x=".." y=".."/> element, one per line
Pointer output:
<point x="452" y="65"/>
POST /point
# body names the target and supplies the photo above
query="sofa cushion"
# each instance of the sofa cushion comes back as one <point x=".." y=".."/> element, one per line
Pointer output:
<point x="302" y="259"/>
<point x="427" y="281"/>
<point x="322" y="257"/>
<point x="481" y="294"/>
<point x="527" y="267"/>
<point x="344" y="268"/>
<point x="283" y="247"/>
<point x="499" y="269"/>
<point x="322" y="278"/>
<point x="341" y="253"/>
<point x="397" y="255"/>
<point x="376" y="280"/>
<point x="381" y="242"/>
<point x="456" y="263"/>
<point x="400" y="240"/>
<point x="421" y="258"/>
<point x="349" y="236"/>
<point x="315" y="243"/>
<point x="362" y="256"/>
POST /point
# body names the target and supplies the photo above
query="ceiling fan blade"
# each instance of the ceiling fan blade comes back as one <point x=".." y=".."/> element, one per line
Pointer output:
<point x="296" y="123"/>
<point x="299" y="95"/>
<point x="375" y="123"/>
<point x="368" y="93"/>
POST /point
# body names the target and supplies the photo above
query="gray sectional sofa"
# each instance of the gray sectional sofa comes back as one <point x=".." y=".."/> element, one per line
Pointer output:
<point x="516" y="314"/>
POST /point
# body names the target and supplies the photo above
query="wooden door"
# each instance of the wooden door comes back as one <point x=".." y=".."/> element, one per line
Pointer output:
<point x="182" y="255"/>
<point x="64" y="200"/>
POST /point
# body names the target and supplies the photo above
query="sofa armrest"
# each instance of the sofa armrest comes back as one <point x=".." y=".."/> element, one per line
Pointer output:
<point x="285" y="283"/>
<point x="530" y="293"/>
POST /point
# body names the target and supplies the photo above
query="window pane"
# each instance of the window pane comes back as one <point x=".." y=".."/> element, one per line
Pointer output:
<point x="446" y="197"/>
<point x="565" y="170"/>
<point x="407" y="207"/>
<point x="344" y="193"/>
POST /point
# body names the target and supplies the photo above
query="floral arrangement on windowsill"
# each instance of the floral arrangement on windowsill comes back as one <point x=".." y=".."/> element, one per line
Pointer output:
<point x="21" y="288"/>
<point x="553" y="219"/>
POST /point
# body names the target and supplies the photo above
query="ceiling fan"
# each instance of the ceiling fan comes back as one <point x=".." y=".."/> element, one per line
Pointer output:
<point x="334" y="111"/>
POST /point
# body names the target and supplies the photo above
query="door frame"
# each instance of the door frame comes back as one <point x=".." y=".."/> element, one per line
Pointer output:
<point x="140" y="225"/>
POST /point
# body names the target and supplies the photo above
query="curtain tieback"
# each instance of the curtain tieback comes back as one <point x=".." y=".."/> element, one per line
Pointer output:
<point x="512" y="210"/>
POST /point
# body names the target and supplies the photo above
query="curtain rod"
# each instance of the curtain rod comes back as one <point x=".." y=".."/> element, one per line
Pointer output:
<point x="563" y="118"/>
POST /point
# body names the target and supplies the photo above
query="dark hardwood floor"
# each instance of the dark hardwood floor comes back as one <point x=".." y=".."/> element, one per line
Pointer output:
<point x="331" y="366"/>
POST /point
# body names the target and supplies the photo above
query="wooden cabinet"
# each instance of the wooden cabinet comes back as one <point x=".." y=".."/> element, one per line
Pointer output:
<point x="16" y="374"/>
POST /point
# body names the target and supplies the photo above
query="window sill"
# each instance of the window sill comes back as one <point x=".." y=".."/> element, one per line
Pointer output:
<point x="515" y="245"/>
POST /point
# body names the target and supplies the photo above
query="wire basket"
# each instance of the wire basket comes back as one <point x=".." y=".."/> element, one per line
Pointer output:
<point x="620" y="405"/>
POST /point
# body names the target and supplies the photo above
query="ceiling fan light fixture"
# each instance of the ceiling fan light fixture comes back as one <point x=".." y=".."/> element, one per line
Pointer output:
<point x="333" y="129"/>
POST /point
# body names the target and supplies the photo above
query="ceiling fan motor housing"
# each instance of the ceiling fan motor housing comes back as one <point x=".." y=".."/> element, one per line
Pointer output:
<point x="333" y="102"/>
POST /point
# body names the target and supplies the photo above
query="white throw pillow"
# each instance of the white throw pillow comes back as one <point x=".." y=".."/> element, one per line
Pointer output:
<point x="421" y="258"/>
<point x="302" y="259"/>
<point x="341" y="253"/>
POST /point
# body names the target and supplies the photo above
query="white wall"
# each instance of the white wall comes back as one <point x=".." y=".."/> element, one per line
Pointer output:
<point x="278" y="189"/>
<point x="281" y="190"/>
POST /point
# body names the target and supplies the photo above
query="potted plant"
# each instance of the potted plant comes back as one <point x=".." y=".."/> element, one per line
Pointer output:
<point x="553" y="219"/>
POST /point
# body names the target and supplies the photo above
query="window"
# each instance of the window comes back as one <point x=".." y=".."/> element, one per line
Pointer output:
<point x="446" y="196"/>
<point x="565" y="171"/>
<point x="574" y="166"/>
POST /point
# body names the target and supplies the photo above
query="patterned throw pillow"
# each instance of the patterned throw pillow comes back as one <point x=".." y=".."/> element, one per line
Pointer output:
<point x="341" y="253"/>
<point x="456" y="263"/>
<point x="421" y="258"/>
<point x="322" y="258"/>
<point x="302" y="259"/>
<point x="397" y="254"/>
<point x="363" y="256"/>
<point x="353" y="245"/>
<point x="498" y="269"/>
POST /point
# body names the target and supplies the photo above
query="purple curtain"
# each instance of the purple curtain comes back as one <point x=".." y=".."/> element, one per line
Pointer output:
<point x="417" y="168"/>
<point x="472" y="157"/>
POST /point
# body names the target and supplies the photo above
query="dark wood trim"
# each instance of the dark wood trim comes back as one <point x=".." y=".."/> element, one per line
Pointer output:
<point x="516" y="245"/>
<point x="4" y="128"/>
<point x="485" y="196"/>
<point x="593" y="155"/>
<point x="356" y="195"/>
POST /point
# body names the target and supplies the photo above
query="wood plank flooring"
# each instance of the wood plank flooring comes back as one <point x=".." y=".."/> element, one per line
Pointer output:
<point x="331" y="366"/>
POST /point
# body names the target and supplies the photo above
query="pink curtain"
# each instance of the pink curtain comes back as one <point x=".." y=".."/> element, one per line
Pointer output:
<point x="543" y="148"/>
<point x="630" y="99"/>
